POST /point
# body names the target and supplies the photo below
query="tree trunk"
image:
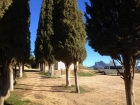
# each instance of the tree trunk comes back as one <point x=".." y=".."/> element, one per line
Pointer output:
<point x="51" y="70"/>
<point x="68" y="76"/>
<point x="76" y="65"/>
<point x="129" y="65"/>
<point x="20" y="70"/>
<point x="5" y="85"/>
<point x="38" y="65"/>
<point x="2" y="100"/>
<point x="11" y="78"/>
<point x="45" y="67"/>
<point x="41" y="69"/>
<point x="15" y="73"/>
<point x="129" y="90"/>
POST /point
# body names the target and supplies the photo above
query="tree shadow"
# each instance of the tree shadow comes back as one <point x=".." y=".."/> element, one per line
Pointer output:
<point x="25" y="84"/>
<point x="58" y="89"/>
<point x="112" y="75"/>
<point x="44" y="77"/>
<point x="22" y="89"/>
<point x="53" y="88"/>
<point x="5" y="103"/>
<point x="49" y="86"/>
<point x="32" y="70"/>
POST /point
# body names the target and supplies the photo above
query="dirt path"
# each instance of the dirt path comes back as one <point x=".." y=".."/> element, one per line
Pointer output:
<point x="103" y="90"/>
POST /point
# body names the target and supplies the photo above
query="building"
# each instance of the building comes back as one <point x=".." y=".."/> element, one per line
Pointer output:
<point x="61" y="66"/>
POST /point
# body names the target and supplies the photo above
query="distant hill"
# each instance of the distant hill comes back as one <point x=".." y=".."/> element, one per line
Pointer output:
<point x="99" y="64"/>
<point x="102" y="64"/>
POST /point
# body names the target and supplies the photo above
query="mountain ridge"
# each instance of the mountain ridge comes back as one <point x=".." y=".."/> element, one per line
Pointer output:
<point x="99" y="64"/>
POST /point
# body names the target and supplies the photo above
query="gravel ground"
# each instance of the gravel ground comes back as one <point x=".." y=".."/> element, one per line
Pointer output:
<point x="103" y="90"/>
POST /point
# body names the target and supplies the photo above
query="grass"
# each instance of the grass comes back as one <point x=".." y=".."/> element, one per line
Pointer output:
<point x="83" y="90"/>
<point x="14" y="99"/>
<point x="72" y="88"/>
<point x="86" y="74"/>
<point x="46" y="74"/>
<point x="24" y="75"/>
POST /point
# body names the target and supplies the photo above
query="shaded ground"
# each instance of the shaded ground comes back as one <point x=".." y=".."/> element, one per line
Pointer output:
<point x="103" y="90"/>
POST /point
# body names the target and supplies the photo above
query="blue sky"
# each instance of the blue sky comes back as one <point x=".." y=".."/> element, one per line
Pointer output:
<point x="92" y="56"/>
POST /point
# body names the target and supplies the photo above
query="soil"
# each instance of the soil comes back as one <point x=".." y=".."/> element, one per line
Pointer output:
<point x="101" y="90"/>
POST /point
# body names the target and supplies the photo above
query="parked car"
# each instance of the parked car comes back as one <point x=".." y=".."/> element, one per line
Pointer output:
<point x="110" y="70"/>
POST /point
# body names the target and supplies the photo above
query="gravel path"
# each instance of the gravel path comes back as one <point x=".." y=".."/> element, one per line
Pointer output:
<point x="103" y="90"/>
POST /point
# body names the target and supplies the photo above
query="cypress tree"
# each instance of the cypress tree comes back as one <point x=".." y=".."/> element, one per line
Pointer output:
<point x="14" y="40"/>
<point x="23" y="48"/>
<point x="113" y="30"/>
<point x="45" y="31"/>
<point x="39" y="37"/>
<point x="48" y="34"/>
<point x="79" y="51"/>
<point x="38" y="48"/>
<point x="68" y="36"/>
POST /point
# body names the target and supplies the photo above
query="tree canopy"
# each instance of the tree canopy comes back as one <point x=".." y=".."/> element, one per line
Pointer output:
<point x="39" y="37"/>
<point x="113" y="26"/>
<point x="14" y="39"/>
<point x="113" y="29"/>
<point x="69" y="36"/>
<point x="45" y="32"/>
<point x="69" y="33"/>
<point x="14" y="28"/>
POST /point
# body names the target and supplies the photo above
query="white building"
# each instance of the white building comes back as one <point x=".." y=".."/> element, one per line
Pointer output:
<point x="61" y="66"/>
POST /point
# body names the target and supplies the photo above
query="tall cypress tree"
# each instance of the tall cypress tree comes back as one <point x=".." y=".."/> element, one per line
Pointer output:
<point x="113" y="29"/>
<point x="45" y="31"/>
<point x="14" y="39"/>
<point x="48" y="34"/>
<point x="79" y="51"/>
<point x="67" y="40"/>
<point x="24" y="37"/>
<point x="39" y="37"/>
